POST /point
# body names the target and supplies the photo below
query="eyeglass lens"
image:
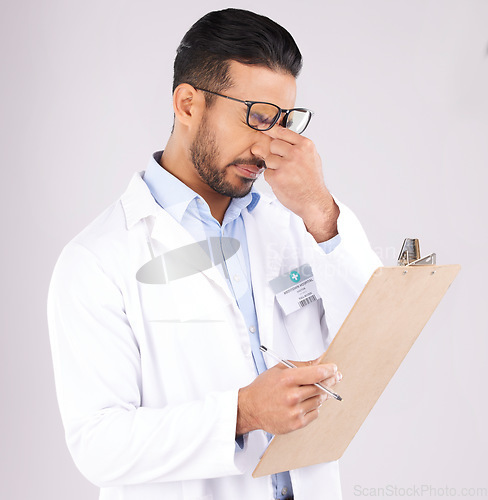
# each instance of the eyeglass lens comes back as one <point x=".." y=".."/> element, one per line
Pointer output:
<point x="263" y="115"/>
<point x="297" y="120"/>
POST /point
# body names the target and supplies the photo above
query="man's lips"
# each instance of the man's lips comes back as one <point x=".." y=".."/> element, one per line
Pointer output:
<point x="248" y="170"/>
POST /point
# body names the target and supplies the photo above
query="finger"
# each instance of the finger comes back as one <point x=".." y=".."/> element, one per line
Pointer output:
<point x="331" y="381"/>
<point x="280" y="148"/>
<point x="313" y="374"/>
<point x="273" y="162"/>
<point x="312" y="404"/>
<point x="285" y="134"/>
<point x="311" y="362"/>
<point x="309" y="417"/>
<point x="331" y="368"/>
<point x="306" y="392"/>
<point x="303" y="420"/>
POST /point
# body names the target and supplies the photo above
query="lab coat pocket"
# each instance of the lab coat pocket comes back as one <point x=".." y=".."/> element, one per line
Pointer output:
<point x="158" y="302"/>
<point x="188" y="330"/>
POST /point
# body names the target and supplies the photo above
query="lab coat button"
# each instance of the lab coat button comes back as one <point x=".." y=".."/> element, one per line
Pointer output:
<point x="284" y="491"/>
<point x="252" y="329"/>
<point x="237" y="277"/>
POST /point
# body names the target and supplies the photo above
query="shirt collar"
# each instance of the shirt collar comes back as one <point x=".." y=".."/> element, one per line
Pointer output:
<point x="168" y="191"/>
<point x="175" y="196"/>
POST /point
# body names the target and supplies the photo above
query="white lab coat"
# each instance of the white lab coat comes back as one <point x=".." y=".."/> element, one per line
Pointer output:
<point x="147" y="375"/>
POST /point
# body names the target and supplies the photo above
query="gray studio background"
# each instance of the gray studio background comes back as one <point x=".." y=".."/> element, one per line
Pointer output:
<point x="399" y="90"/>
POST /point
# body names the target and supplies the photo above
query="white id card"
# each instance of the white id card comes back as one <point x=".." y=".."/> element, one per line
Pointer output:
<point x="296" y="289"/>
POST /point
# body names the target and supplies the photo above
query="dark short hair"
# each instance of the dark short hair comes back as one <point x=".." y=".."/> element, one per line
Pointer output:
<point x="202" y="58"/>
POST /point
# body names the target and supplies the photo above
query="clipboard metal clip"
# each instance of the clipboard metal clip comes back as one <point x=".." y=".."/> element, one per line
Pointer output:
<point x="410" y="254"/>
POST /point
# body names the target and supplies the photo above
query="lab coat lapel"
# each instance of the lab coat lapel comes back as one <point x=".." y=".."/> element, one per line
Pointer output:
<point x="138" y="203"/>
<point x="165" y="234"/>
<point x="167" y="231"/>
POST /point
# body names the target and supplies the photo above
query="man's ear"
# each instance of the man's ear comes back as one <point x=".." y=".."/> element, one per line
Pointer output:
<point x="188" y="105"/>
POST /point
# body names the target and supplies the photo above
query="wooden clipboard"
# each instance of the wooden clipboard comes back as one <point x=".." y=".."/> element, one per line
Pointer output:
<point x="380" y="329"/>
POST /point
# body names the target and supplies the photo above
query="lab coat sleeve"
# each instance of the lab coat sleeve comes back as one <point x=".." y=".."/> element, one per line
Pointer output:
<point x="112" y="438"/>
<point x="351" y="250"/>
<point x="343" y="269"/>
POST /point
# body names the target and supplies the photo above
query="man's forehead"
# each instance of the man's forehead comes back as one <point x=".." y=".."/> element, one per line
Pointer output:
<point x="260" y="83"/>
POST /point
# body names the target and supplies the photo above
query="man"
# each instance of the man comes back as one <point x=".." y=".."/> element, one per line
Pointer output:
<point x="157" y="309"/>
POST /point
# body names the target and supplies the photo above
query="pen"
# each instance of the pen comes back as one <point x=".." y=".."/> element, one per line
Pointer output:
<point x="291" y="365"/>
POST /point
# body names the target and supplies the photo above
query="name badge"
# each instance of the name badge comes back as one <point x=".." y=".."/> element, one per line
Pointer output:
<point x="295" y="289"/>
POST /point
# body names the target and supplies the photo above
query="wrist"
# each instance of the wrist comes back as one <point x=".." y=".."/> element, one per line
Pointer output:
<point x="244" y="414"/>
<point x="321" y="220"/>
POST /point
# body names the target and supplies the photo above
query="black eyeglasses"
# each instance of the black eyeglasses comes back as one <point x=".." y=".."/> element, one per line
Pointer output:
<point x="264" y="115"/>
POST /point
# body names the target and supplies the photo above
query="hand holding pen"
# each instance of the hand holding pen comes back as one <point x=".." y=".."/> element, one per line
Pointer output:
<point x="281" y="400"/>
<point x="288" y="364"/>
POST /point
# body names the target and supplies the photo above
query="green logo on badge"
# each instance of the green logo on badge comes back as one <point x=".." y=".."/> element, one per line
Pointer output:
<point x="294" y="276"/>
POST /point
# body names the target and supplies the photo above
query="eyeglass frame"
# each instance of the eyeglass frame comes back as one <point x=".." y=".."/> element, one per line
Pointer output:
<point x="278" y="115"/>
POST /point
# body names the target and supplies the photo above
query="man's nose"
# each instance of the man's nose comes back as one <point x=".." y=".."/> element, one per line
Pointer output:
<point x="260" y="146"/>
